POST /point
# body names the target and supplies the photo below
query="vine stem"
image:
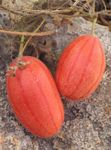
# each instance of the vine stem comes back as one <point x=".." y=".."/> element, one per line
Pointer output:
<point x="27" y="33"/>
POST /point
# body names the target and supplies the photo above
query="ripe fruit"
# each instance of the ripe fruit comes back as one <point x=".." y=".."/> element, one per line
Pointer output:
<point x="80" y="67"/>
<point x="35" y="98"/>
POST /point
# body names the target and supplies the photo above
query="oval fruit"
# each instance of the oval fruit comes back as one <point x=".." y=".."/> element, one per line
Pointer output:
<point x="35" y="98"/>
<point x="80" y="67"/>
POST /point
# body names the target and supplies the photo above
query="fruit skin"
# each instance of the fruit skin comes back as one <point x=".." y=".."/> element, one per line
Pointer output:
<point x="80" y="67"/>
<point x="35" y="98"/>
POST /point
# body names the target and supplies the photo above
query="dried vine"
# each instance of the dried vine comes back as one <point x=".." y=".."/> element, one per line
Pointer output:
<point x="78" y="9"/>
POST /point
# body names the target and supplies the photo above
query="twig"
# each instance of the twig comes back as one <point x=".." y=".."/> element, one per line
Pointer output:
<point x="68" y="11"/>
<point x="104" y="4"/>
<point x="48" y="11"/>
<point x="76" y="2"/>
<point x="104" y="12"/>
<point x="13" y="11"/>
<point x="28" y="33"/>
<point x="63" y="4"/>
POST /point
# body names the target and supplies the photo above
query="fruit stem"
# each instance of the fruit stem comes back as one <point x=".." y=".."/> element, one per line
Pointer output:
<point x="94" y="17"/>
<point x="21" y="46"/>
<point x="93" y="26"/>
<point x="29" y="39"/>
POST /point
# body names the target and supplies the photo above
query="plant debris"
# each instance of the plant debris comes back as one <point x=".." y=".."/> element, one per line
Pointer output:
<point x="27" y="19"/>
